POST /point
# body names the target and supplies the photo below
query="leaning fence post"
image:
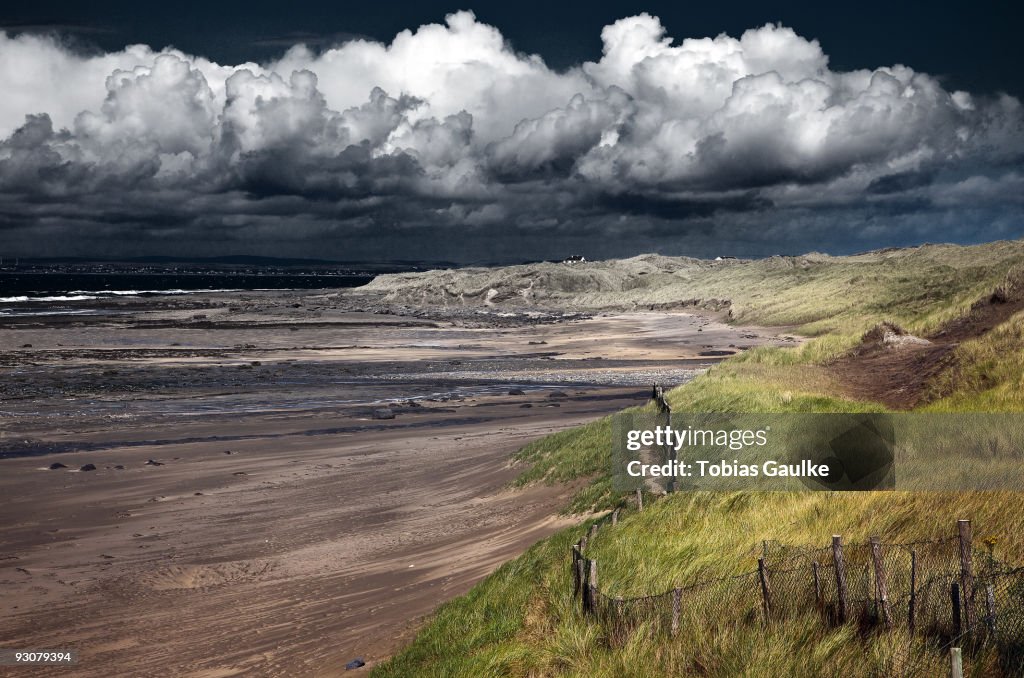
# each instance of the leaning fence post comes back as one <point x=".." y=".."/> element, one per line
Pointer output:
<point x="990" y="609"/>
<point x="639" y="499"/>
<point x="593" y="530"/>
<point x="954" y="599"/>
<point x="956" y="663"/>
<point x="817" y="584"/>
<point x="881" y="586"/>
<point x="766" y="595"/>
<point x="841" y="588"/>
<point x="592" y="588"/>
<point x="913" y="591"/>
<point x="615" y="517"/>
<point x="677" y="604"/>
<point x="966" y="571"/>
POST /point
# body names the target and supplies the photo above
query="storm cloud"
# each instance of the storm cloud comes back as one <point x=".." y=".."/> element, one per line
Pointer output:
<point x="447" y="141"/>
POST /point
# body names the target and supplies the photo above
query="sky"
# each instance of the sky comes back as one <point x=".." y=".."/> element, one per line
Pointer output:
<point x="506" y="132"/>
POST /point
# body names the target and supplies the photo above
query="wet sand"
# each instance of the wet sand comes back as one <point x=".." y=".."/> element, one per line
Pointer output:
<point x="325" y="534"/>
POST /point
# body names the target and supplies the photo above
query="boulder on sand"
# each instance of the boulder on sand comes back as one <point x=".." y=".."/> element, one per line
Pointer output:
<point x="88" y="467"/>
<point x="516" y="391"/>
<point x="56" y="465"/>
<point x="384" y="413"/>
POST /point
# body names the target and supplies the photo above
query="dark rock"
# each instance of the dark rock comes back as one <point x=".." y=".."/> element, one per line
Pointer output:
<point x="516" y="391"/>
<point x="384" y="413"/>
<point x="239" y="473"/>
<point x="26" y="345"/>
<point x="119" y="467"/>
<point x="151" y="462"/>
<point x="88" y="467"/>
<point x="56" y="465"/>
<point x="524" y="405"/>
<point x="356" y="663"/>
<point x="228" y="452"/>
<point x="558" y="394"/>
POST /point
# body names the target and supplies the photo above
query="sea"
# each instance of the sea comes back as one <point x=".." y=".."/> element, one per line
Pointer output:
<point x="59" y="292"/>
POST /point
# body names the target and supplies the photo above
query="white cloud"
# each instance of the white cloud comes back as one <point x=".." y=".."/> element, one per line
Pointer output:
<point x="450" y="114"/>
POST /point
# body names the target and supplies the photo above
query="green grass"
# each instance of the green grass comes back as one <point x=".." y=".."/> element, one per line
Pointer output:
<point x="521" y="621"/>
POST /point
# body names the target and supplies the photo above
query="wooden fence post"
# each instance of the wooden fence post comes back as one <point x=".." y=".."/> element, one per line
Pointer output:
<point x="639" y="499"/>
<point x="990" y="609"/>
<point x="966" y="571"/>
<point x="913" y="591"/>
<point x="575" y="570"/>
<point x="817" y="584"/>
<point x="670" y="450"/>
<point x="615" y="517"/>
<point x="592" y="588"/>
<point x="881" y="585"/>
<point x="956" y="663"/>
<point x="842" y="590"/>
<point x="766" y="595"/>
<point x="582" y="567"/>
<point x="677" y="604"/>
<point x="954" y="599"/>
<point x="593" y="530"/>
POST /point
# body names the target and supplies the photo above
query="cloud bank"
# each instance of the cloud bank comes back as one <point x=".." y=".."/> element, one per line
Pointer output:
<point x="448" y="142"/>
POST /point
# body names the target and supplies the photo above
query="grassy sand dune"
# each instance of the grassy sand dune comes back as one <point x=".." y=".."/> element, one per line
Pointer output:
<point x="522" y="620"/>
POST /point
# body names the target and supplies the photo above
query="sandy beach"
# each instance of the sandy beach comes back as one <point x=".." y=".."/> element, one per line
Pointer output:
<point x="283" y="482"/>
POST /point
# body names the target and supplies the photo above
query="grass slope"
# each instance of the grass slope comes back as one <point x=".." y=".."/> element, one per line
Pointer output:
<point x="521" y="620"/>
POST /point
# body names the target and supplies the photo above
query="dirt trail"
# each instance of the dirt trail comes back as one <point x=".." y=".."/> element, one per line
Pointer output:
<point x="899" y="375"/>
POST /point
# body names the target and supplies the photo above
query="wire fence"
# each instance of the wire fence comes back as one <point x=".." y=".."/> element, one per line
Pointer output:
<point x="932" y="595"/>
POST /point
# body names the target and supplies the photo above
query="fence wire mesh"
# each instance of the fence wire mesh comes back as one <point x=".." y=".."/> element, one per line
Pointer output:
<point x="919" y="590"/>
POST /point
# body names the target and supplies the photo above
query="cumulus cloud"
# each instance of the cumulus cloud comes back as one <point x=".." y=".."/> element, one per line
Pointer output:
<point x="446" y="134"/>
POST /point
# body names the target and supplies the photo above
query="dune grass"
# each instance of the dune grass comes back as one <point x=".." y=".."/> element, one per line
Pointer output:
<point x="521" y="621"/>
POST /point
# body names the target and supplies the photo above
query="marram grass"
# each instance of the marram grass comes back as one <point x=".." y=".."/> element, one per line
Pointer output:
<point x="523" y="621"/>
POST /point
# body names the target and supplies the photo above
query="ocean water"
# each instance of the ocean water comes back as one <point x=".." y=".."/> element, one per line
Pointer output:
<point x="36" y="287"/>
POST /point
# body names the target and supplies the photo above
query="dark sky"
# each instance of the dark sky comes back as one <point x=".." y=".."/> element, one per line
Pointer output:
<point x="445" y="145"/>
<point x="975" y="45"/>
